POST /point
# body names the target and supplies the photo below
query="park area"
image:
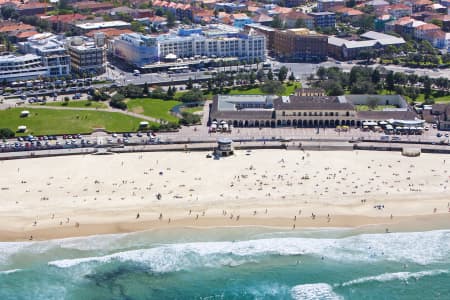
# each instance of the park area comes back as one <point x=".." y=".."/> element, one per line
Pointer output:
<point x="77" y="104"/>
<point x="54" y="121"/>
<point x="154" y="108"/>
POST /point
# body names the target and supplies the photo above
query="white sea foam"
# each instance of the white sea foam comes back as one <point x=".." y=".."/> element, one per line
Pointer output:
<point x="314" y="291"/>
<point x="10" y="271"/>
<point x="403" y="276"/>
<point x="421" y="248"/>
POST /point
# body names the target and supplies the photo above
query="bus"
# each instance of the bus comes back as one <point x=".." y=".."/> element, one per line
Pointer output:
<point x="267" y="66"/>
<point x="180" y="69"/>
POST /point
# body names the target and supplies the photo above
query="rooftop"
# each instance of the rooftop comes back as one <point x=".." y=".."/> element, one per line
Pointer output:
<point x="98" y="25"/>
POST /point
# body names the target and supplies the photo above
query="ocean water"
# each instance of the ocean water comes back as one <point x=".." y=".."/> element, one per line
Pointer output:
<point x="233" y="263"/>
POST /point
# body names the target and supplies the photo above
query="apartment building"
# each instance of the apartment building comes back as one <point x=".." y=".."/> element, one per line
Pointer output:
<point x="25" y="67"/>
<point x="212" y="41"/>
<point x="300" y="44"/>
<point x="87" y="56"/>
<point x="51" y="50"/>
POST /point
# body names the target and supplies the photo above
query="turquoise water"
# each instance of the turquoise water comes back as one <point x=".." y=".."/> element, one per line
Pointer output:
<point x="239" y="263"/>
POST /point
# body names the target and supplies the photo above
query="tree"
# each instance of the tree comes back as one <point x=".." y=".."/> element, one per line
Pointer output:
<point x="322" y="73"/>
<point x="276" y="22"/>
<point x="189" y="118"/>
<point x="282" y="73"/>
<point x="6" y="133"/>
<point x="145" y="89"/>
<point x="158" y="93"/>
<point x="170" y="19"/>
<point x="117" y="101"/>
<point x="260" y="75"/>
<point x="292" y="77"/>
<point x="270" y="75"/>
<point x="427" y="87"/>
<point x="189" y="84"/>
<point x="300" y="23"/>
<point x="390" y="81"/>
<point x="273" y="87"/>
<point x="376" y="76"/>
<point x="170" y="92"/>
<point x="372" y="103"/>
<point x="333" y="88"/>
<point x="252" y="77"/>
<point x="193" y="95"/>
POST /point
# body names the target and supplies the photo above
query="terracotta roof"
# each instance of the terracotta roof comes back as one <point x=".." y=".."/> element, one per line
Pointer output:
<point x="157" y="19"/>
<point x="16" y="27"/>
<point x="92" y="5"/>
<point x="437" y="34"/>
<point x="66" y="18"/>
<point x="109" y="32"/>
<point x="26" y="34"/>
<point x="295" y="15"/>
<point x="239" y="16"/>
<point x="428" y="26"/>
<point x="33" y="5"/>
<point x="398" y="7"/>
<point x="349" y="11"/>
<point x="282" y="10"/>
<point x="262" y="18"/>
<point x="421" y="2"/>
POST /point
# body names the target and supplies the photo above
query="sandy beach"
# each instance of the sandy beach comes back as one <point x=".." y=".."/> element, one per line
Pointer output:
<point x="59" y="197"/>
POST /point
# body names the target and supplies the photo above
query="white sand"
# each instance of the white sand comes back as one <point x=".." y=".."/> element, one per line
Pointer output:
<point x="78" y="195"/>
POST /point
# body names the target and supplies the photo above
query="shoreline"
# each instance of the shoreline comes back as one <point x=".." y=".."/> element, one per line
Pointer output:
<point x="59" y="197"/>
<point x="360" y="224"/>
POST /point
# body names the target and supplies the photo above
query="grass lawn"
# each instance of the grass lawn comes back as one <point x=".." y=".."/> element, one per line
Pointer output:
<point x="377" y="108"/>
<point x="154" y="108"/>
<point x="49" y="121"/>
<point x="77" y="103"/>
<point x="290" y="89"/>
<point x="192" y="109"/>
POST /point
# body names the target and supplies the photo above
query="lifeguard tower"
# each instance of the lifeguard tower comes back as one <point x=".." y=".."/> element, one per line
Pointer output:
<point x="224" y="147"/>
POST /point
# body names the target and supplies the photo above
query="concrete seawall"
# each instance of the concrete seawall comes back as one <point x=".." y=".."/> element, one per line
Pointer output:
<point x="208" y="146"/>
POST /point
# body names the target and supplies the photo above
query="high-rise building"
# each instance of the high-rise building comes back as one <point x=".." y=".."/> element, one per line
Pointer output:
<point x="87" y="56"/>
<point x="300" y="44"/>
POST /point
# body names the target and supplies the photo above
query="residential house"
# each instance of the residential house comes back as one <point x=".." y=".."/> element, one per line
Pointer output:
<point x="324" y="19"/>
<point x="294" y="18"/>
<point x="329" y="5"/>
<point x="349" y="14"/>
<point x="420" y="5"/>
<point x="399" y="10"/>
<point x="34" y="8"/>
<point x="240" y="20"/>
<point x="62" y="23"/>
<point x="424" y="31"/>
<point x="263" y="19"/>
<point x="230" y="7"/>
<point x="92" y="6"/>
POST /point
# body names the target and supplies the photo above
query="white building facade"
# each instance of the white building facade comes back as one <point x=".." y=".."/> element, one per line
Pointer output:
<point x="217" y="41"/>
<point x="23" y="67"/>
<point x="51" y="49"/>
